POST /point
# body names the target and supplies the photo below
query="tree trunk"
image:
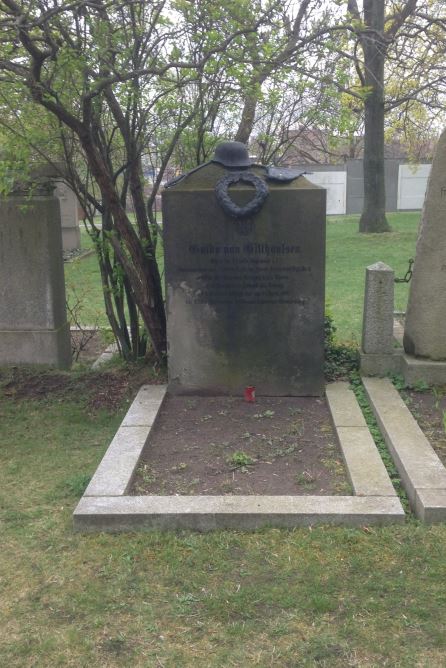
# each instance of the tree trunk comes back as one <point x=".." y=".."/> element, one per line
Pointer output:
<point x="373" y="218"/>
<point x="140" y="267"/>
<point x="251" y="97"/>
<point x="247" y="120"/>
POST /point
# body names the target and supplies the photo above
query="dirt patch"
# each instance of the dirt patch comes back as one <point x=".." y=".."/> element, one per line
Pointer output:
<point x="224" y="445"/>
<point x="98" y="390"/>
<point x="429" y="410"/>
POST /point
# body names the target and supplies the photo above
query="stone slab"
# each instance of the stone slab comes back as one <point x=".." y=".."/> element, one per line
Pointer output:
<point x="71" y="238"/>
<point x="344" y="408"/>
<point x="365" y="468"/>
<point x="32" y="286"/>
<point x="424" y="334"/>
<point x="380" y="364"/>
<point x="33" y="319"/>
<point x="398" y="330"/>
<point x="106" y="356"/>
<point x="430" y="505"/>
<point x="114" y="475"/>
<point x="245" y="297"/>
<point x="418" y="465"/>
<point x="205" y="513"/>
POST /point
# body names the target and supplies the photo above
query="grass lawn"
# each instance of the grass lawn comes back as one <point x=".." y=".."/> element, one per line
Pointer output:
<point x="83" y="286"/>
<point x="348" y="254"/>
<point x="324" y="597"/>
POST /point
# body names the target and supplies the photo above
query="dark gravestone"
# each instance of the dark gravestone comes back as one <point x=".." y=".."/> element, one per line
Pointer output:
<point x="245" y="297"/>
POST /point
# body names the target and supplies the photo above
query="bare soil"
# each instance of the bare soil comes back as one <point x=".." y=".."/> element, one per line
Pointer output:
<point x="97" y="389"/>
<point x="224" y="445"/>
<point x="429" y="410"/>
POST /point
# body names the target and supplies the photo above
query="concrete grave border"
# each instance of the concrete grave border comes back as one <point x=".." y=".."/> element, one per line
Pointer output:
<point x="106" y="505"/>
<point x="421" y="470"/>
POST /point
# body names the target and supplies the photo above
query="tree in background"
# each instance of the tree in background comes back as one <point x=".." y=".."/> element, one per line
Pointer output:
<point x="397" y="51"/>
<point x="285" y="44"/>
<point x="377" y="70"/>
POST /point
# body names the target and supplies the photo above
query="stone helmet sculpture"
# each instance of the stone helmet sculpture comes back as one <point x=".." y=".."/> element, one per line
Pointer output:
<point x="232" y="154"/>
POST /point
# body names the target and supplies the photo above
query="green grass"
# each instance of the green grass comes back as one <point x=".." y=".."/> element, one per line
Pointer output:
<point x="348" y="254"/>
<point x="83" y="285"/>
<point x="323" y="597"/>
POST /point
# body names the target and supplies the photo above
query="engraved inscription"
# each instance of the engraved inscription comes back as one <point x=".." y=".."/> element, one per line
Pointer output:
<point x="248" y="273"/>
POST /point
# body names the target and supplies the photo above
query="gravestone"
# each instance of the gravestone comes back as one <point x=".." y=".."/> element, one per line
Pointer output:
<point x="245" y="293"/>
<point x="33" y="320"/>
<point x="378" y="355"/>
<point x="424" y="333"/>
<point x="377" y="327"/>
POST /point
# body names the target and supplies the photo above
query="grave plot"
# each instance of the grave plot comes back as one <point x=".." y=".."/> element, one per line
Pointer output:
<point x="224" y="445"/>
<point x="245" y="289"/>
<point x="108" y="503"/>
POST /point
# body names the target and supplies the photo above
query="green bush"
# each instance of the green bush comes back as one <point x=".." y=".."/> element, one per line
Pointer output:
<point x="340" y="358"/>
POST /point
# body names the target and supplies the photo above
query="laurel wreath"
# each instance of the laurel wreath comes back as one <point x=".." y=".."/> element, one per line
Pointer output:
<point x="229" y="206"/>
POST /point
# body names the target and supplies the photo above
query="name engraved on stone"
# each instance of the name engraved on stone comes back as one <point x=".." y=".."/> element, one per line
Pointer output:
<point x="443" y="192"/>
<point x="249" y="273"/>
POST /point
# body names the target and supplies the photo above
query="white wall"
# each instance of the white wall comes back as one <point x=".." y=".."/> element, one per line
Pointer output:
<point x="412" y="184"/>
<point x="335" y="184"/>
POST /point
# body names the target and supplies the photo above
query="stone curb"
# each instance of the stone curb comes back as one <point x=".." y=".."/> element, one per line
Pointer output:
<point x="105" y="506"/>
<point x="422" y="473"/>
<point x="114" y="475"/>
<point x="205" y="513"/>
<point x="106" y="356"/>
<point x="366" y="470"/>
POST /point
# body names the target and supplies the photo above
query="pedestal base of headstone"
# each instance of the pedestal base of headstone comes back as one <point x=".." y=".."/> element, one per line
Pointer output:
<point x="380" y="364"/>
<point x="417" y="370"/>
<point x="46" y="347"/>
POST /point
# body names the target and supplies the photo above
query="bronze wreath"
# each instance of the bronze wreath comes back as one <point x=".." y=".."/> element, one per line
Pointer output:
<point x="229" y="206"/>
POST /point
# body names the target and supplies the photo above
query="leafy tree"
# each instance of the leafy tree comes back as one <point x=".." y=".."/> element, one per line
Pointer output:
<point x="112" y="79"/>
<point x="284" y="43"/>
